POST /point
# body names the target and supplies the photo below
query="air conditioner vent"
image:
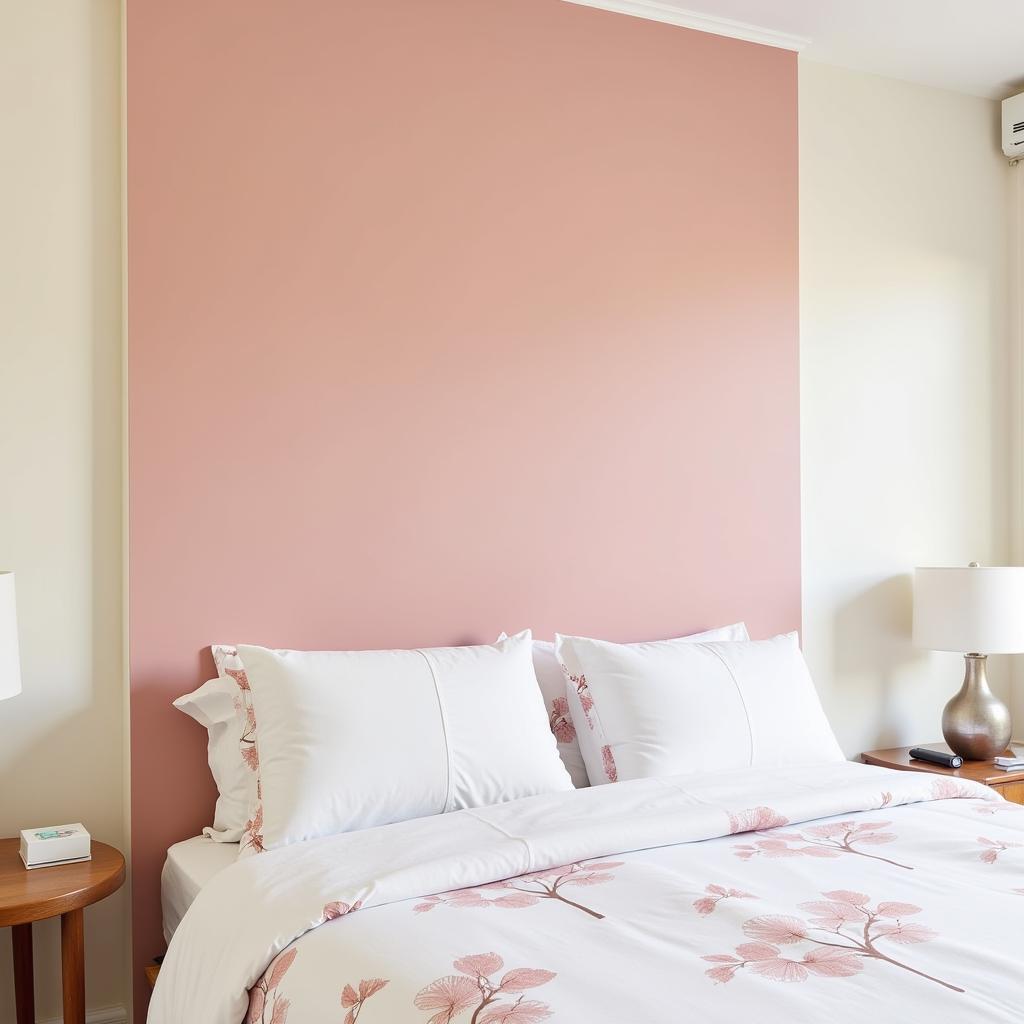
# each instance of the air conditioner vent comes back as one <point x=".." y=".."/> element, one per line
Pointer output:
<point x="1013" y="126"/>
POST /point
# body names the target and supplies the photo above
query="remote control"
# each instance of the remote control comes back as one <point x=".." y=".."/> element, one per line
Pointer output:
<point x="937" y="757"/>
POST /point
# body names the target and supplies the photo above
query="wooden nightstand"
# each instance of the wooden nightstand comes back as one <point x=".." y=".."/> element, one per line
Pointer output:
<point x="27" y="896"/>
<point x="1010" y="785"/>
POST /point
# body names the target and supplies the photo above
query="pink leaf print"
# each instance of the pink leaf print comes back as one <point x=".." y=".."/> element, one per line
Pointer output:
<point x="449" y="995"/>
<point x="876" y="838"/>
<point x="754" y="819"/>
<point x="993" y="848"/>
<point x="516" y="900"/>
<point x="371" y="987"/>
<point x="780" y="969"/>
<point x="353" y="1000"/>
<point x="608" y="761"/>
<point x="757" y="950"/>
<point x="833" y="839"/>
<point x="479" y="991"/>
<point x="239" y="676"/>
<point x="280" y="967"/>
<point x="722" y="974"/>
<point x="254" y="831"/>
<point x="886" y="800"/>
<point x="479" y="963"/>
<point x="891" y="909"/>
<point x="527" y="1011"/>
<point x="264" y="994"/>
<point x="522" y="978"/>
<point x="906" y="934"/>
<point x="468" y="898"/>
<point x="706" y="904"/>
<point x="561" y="721"/>
<point x="853" y="931"/>
<point x="338" y="908"/>
<point x="775" y="928"/>
<point x="583" y="692"/>
<point x="858" y="899"/>
<point x="831" y="830"/>
<point x="529" y="890"/>
<point x="950" y="789"/>
<point x="832" y="963"/>
<point x="597" y="878"/>
<point x="257" y="1002"/>
<point x="832" y="915"/>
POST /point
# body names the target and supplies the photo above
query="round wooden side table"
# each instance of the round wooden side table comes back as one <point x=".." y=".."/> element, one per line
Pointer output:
<point x="27" y="896"/>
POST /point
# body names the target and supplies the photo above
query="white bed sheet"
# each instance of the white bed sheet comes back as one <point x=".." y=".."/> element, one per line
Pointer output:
<point x="189" y="866"/>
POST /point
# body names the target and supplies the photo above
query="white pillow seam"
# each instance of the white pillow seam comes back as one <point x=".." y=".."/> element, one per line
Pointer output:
<point x="444" y="731"/>
<point x="739" y="693"/>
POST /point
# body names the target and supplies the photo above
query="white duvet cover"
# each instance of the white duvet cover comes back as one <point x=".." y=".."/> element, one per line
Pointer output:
<point x="844" y="893"/>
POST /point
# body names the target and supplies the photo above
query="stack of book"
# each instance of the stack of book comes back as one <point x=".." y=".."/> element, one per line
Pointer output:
<point x="1010" y="764"/>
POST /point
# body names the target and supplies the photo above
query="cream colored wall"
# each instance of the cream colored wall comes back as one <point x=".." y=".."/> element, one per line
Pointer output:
<point x="905" y="383"/>
<point x="62" y="752"/>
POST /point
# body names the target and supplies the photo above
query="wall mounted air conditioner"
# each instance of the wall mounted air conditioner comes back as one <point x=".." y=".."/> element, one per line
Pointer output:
<point x="1013" y="126"/>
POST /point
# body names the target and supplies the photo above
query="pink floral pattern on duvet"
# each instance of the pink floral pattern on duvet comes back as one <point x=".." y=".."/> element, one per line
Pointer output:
<point x="528" y="890"/>
<point x="833" y="839"/>
<point x="754" y="819"/>
<point x="263" y="996"/>
<point x="476" y="988"/>
<point x="706" y="905"/>
<point x="843" y="934"/>
<point x="353" y="998"/>
<point x="993" y="848"/>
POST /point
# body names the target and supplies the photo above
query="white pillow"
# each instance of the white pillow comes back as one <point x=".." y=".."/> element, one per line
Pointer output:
<point x="565" y="724"/>
<point x="352" y="739"/>
<point x="672" y="707"/>
<point x="219" y="705"/>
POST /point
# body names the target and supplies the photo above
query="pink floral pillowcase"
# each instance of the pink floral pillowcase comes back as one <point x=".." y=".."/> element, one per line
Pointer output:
<point x="243" y="738"/>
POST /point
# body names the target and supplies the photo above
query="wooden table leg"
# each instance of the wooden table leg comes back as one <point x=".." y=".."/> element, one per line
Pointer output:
<point x="72" y="958"/>
<point x="24" y="991"/>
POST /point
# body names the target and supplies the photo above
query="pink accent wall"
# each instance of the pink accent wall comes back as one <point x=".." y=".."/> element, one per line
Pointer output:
<point x="446" y="318"/>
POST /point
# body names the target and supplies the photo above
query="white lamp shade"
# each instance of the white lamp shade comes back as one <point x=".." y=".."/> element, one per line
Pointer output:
<point x="970" y="610"/>
<point x="10" y="666"/>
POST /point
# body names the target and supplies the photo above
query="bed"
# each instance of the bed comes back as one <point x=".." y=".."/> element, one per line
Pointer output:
<point x="825" y="892"/>
<point x="190" y="865"/>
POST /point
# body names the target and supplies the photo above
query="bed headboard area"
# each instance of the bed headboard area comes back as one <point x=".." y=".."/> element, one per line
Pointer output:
<point x="445" y="319"/>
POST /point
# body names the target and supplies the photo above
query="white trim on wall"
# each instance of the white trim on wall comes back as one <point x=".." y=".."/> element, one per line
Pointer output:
<point x="653" y="10"/>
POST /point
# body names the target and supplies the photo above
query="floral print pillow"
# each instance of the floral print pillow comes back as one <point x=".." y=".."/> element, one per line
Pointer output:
<point x="243" y="732"/>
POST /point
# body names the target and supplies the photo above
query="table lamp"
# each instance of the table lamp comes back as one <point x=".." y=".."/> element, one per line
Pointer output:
<point x="10" y="669"/>
<point x="975" y="611"/>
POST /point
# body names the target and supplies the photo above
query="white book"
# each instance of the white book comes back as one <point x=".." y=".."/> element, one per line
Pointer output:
<point x="55" y="844"/>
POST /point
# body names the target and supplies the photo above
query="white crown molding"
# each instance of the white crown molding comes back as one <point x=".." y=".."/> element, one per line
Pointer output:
<point x="654" y="10"/>
<point x="104" y="1015"/>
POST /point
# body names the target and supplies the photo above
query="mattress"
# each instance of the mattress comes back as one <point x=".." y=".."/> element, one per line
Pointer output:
<point x="189" y="866"/>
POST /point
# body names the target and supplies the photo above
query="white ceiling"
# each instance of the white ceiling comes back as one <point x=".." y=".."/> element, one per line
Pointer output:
<point x="970" y="46"/>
